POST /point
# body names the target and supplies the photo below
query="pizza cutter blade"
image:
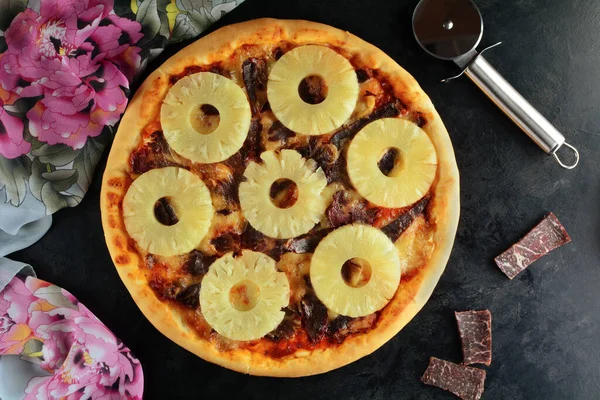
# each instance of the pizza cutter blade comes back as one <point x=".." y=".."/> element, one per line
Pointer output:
<point x="451" y="30"/>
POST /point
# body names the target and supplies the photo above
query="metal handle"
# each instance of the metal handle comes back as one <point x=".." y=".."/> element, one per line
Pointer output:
<point x="538" y="128"/>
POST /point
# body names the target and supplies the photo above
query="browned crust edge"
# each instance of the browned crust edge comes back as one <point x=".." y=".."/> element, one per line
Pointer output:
<point x="444" y="210"/>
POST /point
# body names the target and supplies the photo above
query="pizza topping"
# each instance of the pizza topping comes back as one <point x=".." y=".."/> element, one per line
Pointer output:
<point x="314" y="317"/>
<point x="255" y="74"/>
<point x="278" y="131"/>
<point x="475" y="328"/>
<point x="153" y="154"/>
<point x="183" y="106"/>
<point x="350" y="290"/>
<point x="345" y="210"/>
<point x="388" y="110"/>
<point x="542" y="239"/>
<point x="242" y="297"/>
<point x="189" y="297"/>
<point x="326" y="68"/>
<point x="465" y="382"/>
<point x="306" y="243"/>
<point x="415" y="245"/>
<point x="413" y="172"/>
<point x="164" y="212"/>
<point x="226" y="242"/>
<point x="338" y="326"/>
<point x="192" y="202"/>
<point x="286" y="329"/>
<point x="284" y="193"/>
<point x="395" y="228"/>
<point x="362" y="75"/>
<point x="260" y="210"/>
<point x="197" y="263"/>
<point x="313" y="89"/>
<point x="253" y="146"/>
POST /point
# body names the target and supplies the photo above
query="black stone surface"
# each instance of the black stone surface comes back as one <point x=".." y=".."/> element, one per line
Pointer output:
<point x="545" y="322"/>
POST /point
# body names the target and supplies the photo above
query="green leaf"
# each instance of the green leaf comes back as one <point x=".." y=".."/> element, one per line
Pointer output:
<point x="20" y="107"/>
<point x="58" y="155"/>
<point x="10" y="9"/>
<point x="13" y="178"/>
<point x="53" y="200"/>
<point x="164" y="19"/>
<point x="61" y="179"/>
<point x="73" y="200"/>
<point x="148" y="17"/>
<point x="183" y="29"/>
<point x="36" y="181"/>
<point x="32" y="348"/>
<point x="54" y="295"/>
<point x="86" y="160"/>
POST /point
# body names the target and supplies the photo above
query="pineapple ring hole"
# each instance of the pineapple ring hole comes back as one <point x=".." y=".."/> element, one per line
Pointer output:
<point x="284" y="193"/>
<point x="313" y="89"/>
<point x="391" y="162"/>
<point x="205" y="119"/>
<point x="244" y="295"/>
<point x="164" y="211"/>
<point x="356" y="272"/>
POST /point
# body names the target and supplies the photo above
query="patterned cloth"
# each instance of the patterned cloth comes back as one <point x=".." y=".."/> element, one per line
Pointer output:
<point x="65" y="71"/>
<point x="46" y="325"/>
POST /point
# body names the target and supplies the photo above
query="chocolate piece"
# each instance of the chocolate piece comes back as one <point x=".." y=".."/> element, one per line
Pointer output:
<point x="465" y="382"/>
<point x="198" y="263"/>
<point x="388" y="110"/>
<point x="475" y="328"/>
<point x="190" y="296"/>
<point x="314" y="317"/>
<point x="342" y="211"/>
<point x="545" y="237"/>
<point x="254" y="72"/>
<point x="395" y="228"/>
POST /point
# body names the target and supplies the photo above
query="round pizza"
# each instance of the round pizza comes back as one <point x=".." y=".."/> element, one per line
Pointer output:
<point x="281" y="198"/>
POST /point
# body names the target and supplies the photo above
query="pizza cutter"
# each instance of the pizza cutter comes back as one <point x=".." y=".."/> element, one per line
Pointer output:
<point x="451" y="30"/>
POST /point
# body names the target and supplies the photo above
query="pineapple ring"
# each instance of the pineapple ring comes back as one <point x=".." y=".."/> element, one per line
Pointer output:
<point x="312" y="119"/>
<point x="182" y="101"/>
<point x="266" y="217"/>
<point x="343" y="244"/>
<point x="191" y="200"/>
<point x="256" y="320"/>
<point x="410" y="180"/>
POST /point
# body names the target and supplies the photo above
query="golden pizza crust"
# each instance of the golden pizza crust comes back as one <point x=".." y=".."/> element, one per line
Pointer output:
<point x="144" y="108"/>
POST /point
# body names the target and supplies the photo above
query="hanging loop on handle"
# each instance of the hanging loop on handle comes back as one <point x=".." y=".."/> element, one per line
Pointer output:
<point x="559" y="161"/>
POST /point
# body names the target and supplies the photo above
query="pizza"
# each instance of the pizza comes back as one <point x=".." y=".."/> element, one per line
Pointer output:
<point x="281" y="198"/>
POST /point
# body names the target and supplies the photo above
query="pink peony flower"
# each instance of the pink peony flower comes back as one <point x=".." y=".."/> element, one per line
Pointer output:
<point x="12" y="144"/>
<point x="80" y="56"/>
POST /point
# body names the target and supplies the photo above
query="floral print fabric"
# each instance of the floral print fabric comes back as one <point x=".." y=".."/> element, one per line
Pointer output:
<point x="65" y="72"/>
<point x="47" y="325"/>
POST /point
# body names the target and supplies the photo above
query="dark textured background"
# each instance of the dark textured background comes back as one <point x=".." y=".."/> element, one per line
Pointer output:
<point x="545" y="322"/>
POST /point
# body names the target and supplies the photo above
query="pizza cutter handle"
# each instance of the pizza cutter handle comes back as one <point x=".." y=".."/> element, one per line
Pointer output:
<point x="538" y="128"/>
